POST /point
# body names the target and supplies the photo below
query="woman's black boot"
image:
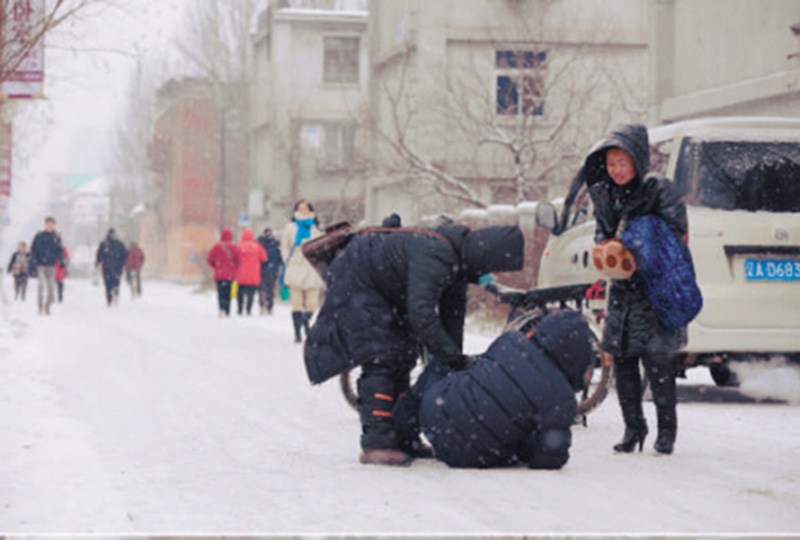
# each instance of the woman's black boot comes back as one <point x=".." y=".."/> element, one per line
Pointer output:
<point x="667" y="429"/>
<point x="297" y="319"/>
<point x="631" y="438"/>
<point x="661" y="373"/>
<point x="629" y="393"/>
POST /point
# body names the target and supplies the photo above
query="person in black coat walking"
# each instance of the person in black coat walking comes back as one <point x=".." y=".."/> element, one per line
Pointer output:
<point x="515" y="404"/>
<point x="388" y="293"/>
<point x="270" y="270"/>
<point x="46" y="250"/>
<point x="111" y="256"/>
<point x="616" y="174"/>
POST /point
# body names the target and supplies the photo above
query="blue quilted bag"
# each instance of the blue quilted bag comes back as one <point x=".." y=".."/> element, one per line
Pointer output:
<point x="665" y="265"/>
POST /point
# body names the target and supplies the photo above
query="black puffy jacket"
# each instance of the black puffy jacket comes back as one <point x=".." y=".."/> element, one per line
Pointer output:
<point x="387" y="292"/>
<point x="631" y="326"/>
<point x="515" y="404"/>
<point x="111" y="253"/>
<point x="46" y="249"/>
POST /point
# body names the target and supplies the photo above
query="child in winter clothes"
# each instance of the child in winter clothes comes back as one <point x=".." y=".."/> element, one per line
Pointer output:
<point x="18" y="267"/>
<point x="616" y="174"/>
<point x="248" y="276"/>
<point x="305" y="285"/>
<point x="224" y="258"/>
<point x="514" y="404"/>
<point x="61" y="275"/>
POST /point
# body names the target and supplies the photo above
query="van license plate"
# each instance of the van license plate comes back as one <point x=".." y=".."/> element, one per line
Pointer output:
<point x="772" y="270"/>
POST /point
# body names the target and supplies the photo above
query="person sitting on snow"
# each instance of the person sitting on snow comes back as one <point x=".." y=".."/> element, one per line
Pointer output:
<point x="514" y="404"/>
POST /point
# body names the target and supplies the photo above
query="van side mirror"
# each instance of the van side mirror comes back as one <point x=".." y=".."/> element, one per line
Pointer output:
<point x="546" y="216"/>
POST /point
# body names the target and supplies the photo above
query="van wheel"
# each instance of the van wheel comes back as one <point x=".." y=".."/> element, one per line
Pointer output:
<point x="722" y="374"/>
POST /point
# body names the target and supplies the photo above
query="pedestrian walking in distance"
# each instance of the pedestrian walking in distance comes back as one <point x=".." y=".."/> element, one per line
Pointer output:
<point x="46" y="251"/>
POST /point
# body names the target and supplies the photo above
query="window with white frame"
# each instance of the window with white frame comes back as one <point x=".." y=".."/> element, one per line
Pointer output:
<point x="340" y="63"/>
<point x="519" y="79"/>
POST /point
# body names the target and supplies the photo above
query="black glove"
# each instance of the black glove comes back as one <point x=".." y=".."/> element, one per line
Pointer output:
<point x="464" y="362"/>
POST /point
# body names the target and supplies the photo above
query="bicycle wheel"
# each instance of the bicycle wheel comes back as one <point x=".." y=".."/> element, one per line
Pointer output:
<point x="347" y="382"/>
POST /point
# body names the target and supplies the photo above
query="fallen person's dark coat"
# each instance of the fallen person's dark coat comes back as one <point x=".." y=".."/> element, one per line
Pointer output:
<point x="515" y="404"/>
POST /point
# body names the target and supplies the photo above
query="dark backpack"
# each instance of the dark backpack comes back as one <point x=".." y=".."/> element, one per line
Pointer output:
<point x="665" y="264"/>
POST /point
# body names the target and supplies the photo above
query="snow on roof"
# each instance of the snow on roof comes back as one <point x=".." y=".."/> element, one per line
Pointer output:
<point x="527" y="206"/>
<point x="473" y="213"/>
<point x="320" y="13"/>
<point x="98" y="187"/>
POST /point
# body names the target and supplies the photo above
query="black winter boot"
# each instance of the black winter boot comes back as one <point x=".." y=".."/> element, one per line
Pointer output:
<point x="667" y="430"/>
<point x="629" y="393"/>
<point x="297" y="319"/>
<point x="306" y="321"/>
<point x="376" y="400"/>
<point x="661" y="372"/>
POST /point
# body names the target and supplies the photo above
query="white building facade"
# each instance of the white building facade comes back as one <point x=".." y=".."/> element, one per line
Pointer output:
<point x="725" y="58"/>
<point x="309" y="90"/>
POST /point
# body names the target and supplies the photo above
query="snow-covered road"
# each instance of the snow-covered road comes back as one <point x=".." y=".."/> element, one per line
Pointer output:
<point x="159" y="417"/>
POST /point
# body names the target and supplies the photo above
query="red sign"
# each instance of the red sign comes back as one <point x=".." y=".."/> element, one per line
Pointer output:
<point x="22" y="45"/>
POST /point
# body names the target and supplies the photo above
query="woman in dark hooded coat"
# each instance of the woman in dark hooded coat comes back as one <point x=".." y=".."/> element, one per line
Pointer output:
<point x="515" y="404"/>
<point x="616" y="174"/>
<point x="388" y="293"/>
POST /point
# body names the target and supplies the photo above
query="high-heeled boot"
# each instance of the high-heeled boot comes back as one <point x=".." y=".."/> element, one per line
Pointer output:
<point x="629" y="393"/>
<point x="661" y="373"/>
<point x="297" y="320"/>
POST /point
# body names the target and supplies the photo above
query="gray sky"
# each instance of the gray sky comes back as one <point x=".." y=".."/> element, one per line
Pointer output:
<point x="89" y="66"/>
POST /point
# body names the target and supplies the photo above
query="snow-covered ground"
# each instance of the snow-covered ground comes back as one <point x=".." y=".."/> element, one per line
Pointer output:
<point x="159" y="417"/>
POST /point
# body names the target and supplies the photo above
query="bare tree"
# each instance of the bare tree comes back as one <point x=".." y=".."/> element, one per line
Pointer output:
<point x="22" y="39"/>
<point x="522" y="133"/>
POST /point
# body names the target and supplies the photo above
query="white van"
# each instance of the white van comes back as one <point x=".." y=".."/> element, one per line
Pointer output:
<point x="742" y="182"/>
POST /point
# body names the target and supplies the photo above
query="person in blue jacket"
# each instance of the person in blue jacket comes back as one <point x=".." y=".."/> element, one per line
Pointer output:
<point x="514" y="405"/>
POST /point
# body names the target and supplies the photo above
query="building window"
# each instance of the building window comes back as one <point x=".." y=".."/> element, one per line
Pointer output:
<point x="520" y="82"/>
<point x="339" y="141"/>
<point x="341" y="60"/>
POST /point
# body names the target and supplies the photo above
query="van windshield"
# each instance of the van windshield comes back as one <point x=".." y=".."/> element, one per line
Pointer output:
<point x="741" y="175"/>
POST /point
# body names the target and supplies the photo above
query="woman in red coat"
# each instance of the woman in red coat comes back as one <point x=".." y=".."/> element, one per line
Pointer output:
<point x="224" y="258"/>
<point x="249" y="274"/>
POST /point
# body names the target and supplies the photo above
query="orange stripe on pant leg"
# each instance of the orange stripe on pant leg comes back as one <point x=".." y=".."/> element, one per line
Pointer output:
<point x="384" y="414"/>
<point x="386" y="397"/>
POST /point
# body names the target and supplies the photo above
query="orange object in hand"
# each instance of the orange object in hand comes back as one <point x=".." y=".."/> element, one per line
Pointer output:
<point x="613" y="260"/>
